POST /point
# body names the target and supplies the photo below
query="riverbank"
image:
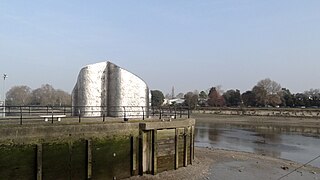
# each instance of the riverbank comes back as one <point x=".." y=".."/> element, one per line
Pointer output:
<point x="222" y="164"/>
<point x="313" y="122"/>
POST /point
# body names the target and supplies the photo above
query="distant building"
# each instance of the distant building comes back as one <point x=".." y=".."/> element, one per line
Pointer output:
<point x="173" y="101"/>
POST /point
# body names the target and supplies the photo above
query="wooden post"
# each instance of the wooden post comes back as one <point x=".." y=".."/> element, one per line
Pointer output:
<point x="176" y="164"/>
<point x="140" y="152"/>
<point x="133" y="156"/>
<point x="185" y="162"/>
<point x="89" y="159"/>
<point x="191" y="144"/>
<point x="154" y="152"/>
<point x="39" y="161"/>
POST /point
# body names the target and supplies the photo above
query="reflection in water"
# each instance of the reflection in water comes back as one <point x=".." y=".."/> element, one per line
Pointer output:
<point x="296" y="144"/>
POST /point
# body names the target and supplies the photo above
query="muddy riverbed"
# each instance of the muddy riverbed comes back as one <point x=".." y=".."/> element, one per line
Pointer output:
<point x="296" y="141"/>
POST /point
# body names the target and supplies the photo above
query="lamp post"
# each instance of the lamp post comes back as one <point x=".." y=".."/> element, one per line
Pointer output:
<point x="4" y="94"/>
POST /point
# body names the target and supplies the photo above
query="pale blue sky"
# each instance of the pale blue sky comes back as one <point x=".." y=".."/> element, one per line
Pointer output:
<point x="188" y="44"/>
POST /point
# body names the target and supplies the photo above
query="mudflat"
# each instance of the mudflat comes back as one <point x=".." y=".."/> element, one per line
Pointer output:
<point x="313" y="122"/>
<point x="219" y="164"/>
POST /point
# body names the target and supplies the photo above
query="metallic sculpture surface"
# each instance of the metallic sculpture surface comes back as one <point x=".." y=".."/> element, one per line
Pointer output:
<point x="106" y="89"/>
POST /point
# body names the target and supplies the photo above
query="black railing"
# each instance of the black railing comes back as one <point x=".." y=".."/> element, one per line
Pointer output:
<point x="31" y="114"/>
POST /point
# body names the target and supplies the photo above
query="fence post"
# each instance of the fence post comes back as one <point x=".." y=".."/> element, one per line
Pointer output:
<point x="51" y="114"/>
<point x="180" y="112"/>
<point x="175" y="113"/>
<point x="188" y="113"/>
<point x="142" y="113"/>
<point x="79" y="115"/>
<point x="124" y="114"/>
<point x="103" y="117"/>
<point x="160" y="114"/>
<point x="20" y="115"/>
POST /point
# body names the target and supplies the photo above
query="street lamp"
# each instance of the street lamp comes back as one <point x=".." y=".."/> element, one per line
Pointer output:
<point x="4" y="94"/>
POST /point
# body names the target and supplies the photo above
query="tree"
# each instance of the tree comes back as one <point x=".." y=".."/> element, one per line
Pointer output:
<point x="287" y="98"/>
<point x="270" y="86"/>
<point x="232" y="97"/>
<point x="18" y="96"/>
<point x="249" y="98"/>
<point x="215" y="98"/>
<point x="313" y="97"/>
<point x="157" y="98"/>
<point x="301" y="99"/>
<point x="62" y="98"/>
<point x="260" y="95"/>
<point x="46" y="95"/>
<point x="191" y="100"/>
<point x="267" y="92"/>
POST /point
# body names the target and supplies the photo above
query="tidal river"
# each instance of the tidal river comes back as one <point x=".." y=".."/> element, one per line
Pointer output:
<point x="287" y="143"/>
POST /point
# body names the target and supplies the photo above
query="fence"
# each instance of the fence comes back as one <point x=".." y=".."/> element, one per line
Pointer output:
<point x="32" y="114"/>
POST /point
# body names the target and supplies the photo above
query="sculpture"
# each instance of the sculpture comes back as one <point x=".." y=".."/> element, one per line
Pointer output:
<point x="106" y="89"/>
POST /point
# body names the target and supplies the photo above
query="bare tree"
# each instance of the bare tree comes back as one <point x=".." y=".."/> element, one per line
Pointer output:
<point x="18" y="96"/>
<point x="268" y="92"/>
<point x="191" y="100"/>
<point x="270" y="86"/>
<point x="47" y="95"/>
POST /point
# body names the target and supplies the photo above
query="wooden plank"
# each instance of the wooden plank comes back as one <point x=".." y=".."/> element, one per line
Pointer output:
<point x="192" y="144"/>
<point x="39" y="161"/>
<point x="185" y="162"/>
<point x="154" y="152"/>
<point x="89" y="159"/>
<point x="141" y="152"/>
<point x="176" y="164"/>
<point x="133" y="155"/>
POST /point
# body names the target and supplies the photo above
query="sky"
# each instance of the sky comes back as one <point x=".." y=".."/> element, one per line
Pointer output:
<point x="191" y="45"/>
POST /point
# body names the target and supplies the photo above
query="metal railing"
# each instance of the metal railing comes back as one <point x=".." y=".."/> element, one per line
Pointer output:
<point x="34" y="114"/>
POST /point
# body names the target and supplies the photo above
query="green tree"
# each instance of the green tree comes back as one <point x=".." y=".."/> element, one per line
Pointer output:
<point x="232" y="97"/>
<point x="249" y="98"/>
<point x="287" y="98"/>
<point x="157" y="98"/>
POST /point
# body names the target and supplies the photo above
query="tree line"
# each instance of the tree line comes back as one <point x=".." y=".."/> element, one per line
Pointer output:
<point x="46" y="95"/>
<point x="266" y="93"/>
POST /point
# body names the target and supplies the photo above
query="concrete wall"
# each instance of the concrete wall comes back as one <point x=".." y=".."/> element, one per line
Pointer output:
<point x="105" y="88"/>
<point x="95" y="150"/>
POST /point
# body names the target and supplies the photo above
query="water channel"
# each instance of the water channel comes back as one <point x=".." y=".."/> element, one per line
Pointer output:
<point x="296" y="144"/>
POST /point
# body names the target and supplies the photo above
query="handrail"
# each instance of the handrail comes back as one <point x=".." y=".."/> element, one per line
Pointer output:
<point x="29" y="113"/>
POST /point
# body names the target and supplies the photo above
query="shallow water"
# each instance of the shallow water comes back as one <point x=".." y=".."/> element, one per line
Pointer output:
<point x="284" y="142"/>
